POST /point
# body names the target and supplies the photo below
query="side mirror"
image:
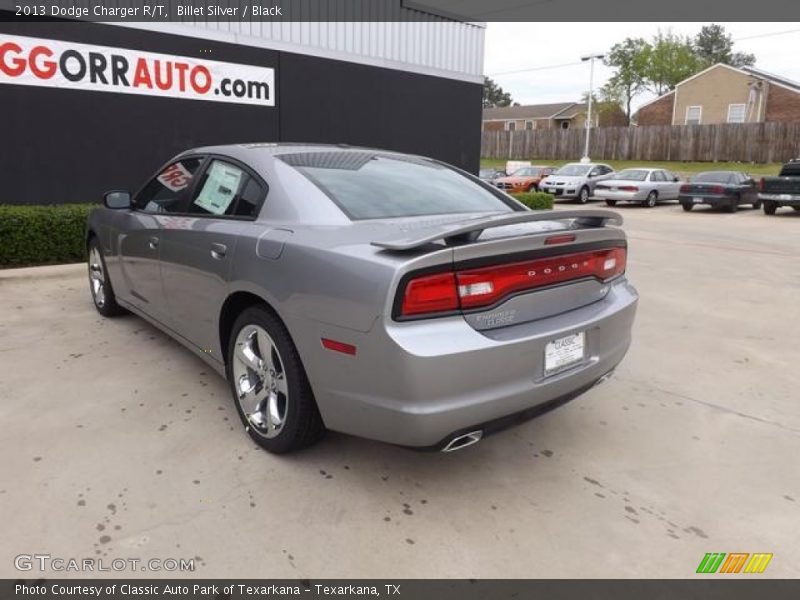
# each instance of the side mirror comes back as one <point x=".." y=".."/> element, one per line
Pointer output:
<point x="117" y="199"/>
<point x="750" y="181"/>
<point x="676" y="179"/>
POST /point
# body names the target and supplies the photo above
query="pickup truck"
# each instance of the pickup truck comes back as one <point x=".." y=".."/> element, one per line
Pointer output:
<point x="783" y="190"/>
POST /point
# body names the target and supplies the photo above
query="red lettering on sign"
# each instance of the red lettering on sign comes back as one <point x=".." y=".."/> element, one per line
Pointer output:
<point x="142" y="76"/>
<point x="166" y="82"/>
<point x="181" y="69"/>
<point x="200" y="70"/>
<point x="47" y="68"/>
<point x="17" y="65"/>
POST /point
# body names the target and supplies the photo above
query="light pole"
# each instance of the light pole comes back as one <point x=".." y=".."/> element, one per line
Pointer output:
<point x="591" y="58"/>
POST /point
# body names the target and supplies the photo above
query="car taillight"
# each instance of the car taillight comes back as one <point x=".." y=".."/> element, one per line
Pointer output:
<point x="488" y="285"/>
<point x="430" y="294"/>
<point x="717" y="189"/>
<point x="761" y="185"/>
<point x="685" y="189"/>
<point x="629" y="188"/>
<point x="485" y="286"/>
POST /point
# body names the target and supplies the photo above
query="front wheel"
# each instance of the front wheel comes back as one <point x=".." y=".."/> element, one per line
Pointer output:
<point x="99" y="284"/>
<point x="269" y="384"/>
<point x="611" y="202"/>
<point x="687" y="207"/>
<point x="770" y="207"/>
<point x="583" y="195"/>
<point x="532" y="188"/>
<point x="796" y="208"/>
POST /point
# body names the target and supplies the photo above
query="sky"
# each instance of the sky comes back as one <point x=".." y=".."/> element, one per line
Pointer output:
<point x="517" y="46"/>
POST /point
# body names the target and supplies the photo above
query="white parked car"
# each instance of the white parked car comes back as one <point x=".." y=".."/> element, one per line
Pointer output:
<point x="645" y="186"/>
<point x="576" y="180"/>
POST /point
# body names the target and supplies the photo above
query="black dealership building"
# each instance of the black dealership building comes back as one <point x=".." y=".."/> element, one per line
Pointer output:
<point x="94" y="106"/>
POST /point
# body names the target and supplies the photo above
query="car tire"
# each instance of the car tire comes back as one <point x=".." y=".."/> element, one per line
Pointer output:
<point x="269" y="384"/>
<point x="99" y="284"/>
<point x="770" y="207"/>
<point x="796" y="208"/>
<point x="611" y="202"/>
<point x="583" y="195"/>
<point x="687" y="206"/>
<point x="531" y="188"/>
<point x="757" y="205"/>
<point x="732" y="206"/>
<point x="651" y="200"/>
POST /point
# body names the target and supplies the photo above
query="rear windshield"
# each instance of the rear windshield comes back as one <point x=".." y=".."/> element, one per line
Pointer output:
<point x="573" y="170"/>
<point x="632" y="175"/>
<point x="714" y="177"/>
<point x="370" y="185"/>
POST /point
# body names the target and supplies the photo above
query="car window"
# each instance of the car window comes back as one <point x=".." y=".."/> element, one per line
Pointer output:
<point x="374" y="185"/>
<point x="657" y="176"/>
<point x="713" y="177"/>
<point x="166" y="192"/>
<point x="632" y="175"/>
<point x="573" y="170"/>
<point x="227" y="190"/>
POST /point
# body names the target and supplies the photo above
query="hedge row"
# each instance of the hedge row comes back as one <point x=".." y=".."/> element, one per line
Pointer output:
<point x="535" y="200"/>
<point x="34" y="235"/>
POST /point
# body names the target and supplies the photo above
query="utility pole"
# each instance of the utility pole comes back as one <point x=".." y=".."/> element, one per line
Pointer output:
<point x="591" y="58"/>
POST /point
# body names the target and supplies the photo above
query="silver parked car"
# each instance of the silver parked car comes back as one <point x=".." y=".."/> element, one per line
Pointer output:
<point x="643" y="186"/>
<point x="576" y="180"/>
<point x="373" y="293"/>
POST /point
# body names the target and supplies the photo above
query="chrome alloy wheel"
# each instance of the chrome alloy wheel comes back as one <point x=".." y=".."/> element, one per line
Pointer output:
<point x="97" y="277"/>
<point x="260" y="381"/>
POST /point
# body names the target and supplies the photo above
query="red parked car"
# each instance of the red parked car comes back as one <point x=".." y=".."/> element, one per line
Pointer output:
<point x="525" y="179"/>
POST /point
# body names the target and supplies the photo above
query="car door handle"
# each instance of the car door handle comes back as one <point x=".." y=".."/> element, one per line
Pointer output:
<point x="218" y="250"/>
<point x="153" y="242"/>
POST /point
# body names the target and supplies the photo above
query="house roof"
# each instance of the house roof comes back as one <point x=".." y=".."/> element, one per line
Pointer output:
<point x="531" y="111"/>
<point x="773" y="78"/>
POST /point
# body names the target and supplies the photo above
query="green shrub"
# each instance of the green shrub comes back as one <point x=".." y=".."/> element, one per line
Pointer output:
<point x="33" y="235"/>
<point x="536" y="200"/>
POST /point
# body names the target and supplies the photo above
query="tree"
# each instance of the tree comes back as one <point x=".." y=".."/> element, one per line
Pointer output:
<point x="493" y="94"/>
<point x="630" y="59"/>
<point x="713" y="45"/>
<point x="671" y="59"/>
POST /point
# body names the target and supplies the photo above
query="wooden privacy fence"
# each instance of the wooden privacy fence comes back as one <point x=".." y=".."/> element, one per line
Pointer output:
<point x="746" y="142"/>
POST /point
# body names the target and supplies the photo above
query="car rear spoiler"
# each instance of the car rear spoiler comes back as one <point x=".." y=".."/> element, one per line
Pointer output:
<point x="469" y="230"/>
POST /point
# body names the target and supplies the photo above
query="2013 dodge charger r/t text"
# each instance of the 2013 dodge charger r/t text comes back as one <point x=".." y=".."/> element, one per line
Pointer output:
<point x="368" y="292"/>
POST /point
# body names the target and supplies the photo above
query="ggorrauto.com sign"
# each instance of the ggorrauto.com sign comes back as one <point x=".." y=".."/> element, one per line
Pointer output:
<point x="73" y="66"/>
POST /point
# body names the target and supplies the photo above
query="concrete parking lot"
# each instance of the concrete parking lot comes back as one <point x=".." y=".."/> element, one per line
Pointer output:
<point x="119" y="444"/>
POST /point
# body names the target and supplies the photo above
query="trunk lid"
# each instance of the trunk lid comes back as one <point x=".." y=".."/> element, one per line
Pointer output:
<point x="511" y="269"/>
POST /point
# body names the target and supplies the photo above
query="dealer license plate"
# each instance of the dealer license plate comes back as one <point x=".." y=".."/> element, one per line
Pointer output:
<point x="784" y="196"/>
<point x="552" y="190"/>
<point x="697" y="200"/>
<point x="563" y="352"/>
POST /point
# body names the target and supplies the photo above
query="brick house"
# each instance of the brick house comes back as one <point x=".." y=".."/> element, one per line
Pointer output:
<point x="725" y="94"/>
<point x="562" y="115"/>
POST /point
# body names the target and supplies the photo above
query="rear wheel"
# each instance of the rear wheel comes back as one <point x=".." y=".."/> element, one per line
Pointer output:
<point x="770" y="207"/>
<point x="99" y="284"/>
<point x="652" y="198"/>
<point x="732" y="206"/>
<point x="611" y="202"/>
<point x="796" y="208"/>
<point x="687" y="206"/>
<point x="757" y="204"/>
<point x="269" y="384"/>
<point x="583" y="195"/>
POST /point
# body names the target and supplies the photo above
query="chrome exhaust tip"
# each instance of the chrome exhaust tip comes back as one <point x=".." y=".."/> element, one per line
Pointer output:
<point x="462" y="441"/>
<point x="604" y="378"/>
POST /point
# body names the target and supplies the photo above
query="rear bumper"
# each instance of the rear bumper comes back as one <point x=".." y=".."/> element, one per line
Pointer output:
<point x="782" y="199"/>
<point x="601" y="194"/>
<point x="419" y="383"/>
<point x="715" y="201"/>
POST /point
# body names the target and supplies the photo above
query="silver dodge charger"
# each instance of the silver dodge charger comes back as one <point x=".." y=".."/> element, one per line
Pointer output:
<point x="368" y="292"/>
